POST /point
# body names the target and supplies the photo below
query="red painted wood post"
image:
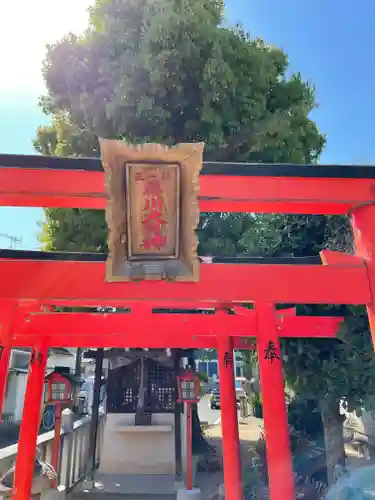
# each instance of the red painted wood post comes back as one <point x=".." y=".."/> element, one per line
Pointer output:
<point x="363" y="223"/>
<point x="189" y="448"/>
<point x="229" y="423"/>
<point x="279" y="458"/>
<point x="4" y="367"/>
<point x="30" y="425"/>
<point x="7" y="312"/>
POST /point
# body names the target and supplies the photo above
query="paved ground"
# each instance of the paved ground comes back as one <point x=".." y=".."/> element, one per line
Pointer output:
<point x="212" y="417"/>
<point x="116" y="496"/>
<point x="128" y="486"/>
<point x="206" y="414"/>
<point x="249" y="431"/>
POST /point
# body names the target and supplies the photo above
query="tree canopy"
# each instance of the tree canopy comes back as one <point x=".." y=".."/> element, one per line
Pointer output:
<point x="169" y="71"/>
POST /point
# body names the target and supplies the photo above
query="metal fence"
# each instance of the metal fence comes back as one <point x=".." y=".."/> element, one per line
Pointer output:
<point x="8" y="418"/>
<point x="74" y="448"/>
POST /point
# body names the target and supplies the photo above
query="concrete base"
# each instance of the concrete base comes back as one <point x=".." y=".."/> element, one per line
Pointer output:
<point x="54" y="494"/>
<point x="179" y="484"/>
<point x="138" y="449"/>
<point x="195" y="494"/>
<point x="58" y="494"/>
<point x="221" y="492"/>
<point x="88" y="484"/>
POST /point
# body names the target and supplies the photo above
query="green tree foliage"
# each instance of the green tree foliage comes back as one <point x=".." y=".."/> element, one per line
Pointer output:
<point x="169" y="71"/>
<point x="325" y="370"/>
<point x="272" y="235"/>
<point x="346" y="366"/>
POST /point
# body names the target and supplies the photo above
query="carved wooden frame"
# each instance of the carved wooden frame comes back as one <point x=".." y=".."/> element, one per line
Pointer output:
<point x="116" y="157"/>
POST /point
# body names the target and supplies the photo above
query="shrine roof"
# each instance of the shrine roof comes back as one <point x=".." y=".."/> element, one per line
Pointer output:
<point x="64" y="372"/>
<point x="39" y="162"/>
<point x="101" y="257"/>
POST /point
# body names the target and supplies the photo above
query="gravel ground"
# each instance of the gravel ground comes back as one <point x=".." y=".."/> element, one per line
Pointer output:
<point x="249" y="431"/>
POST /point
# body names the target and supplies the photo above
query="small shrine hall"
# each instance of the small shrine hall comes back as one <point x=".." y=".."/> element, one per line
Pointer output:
<point x="153" y="196"/>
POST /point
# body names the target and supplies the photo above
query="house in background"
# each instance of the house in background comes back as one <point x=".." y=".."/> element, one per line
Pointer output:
<point x="209" y="365"/>
<point x="17" y="378"/>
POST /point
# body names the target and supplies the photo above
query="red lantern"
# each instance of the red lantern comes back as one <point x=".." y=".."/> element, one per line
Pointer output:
<point x="188" y="387"/>
<point x="60" y="389"/>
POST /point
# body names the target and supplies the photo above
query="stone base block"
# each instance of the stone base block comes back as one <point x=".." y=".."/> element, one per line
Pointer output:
<point x="221" y="492"/>
<point x="88" y="484"/>
<point x="194" y="494"/>
<point x="56" y="494"/>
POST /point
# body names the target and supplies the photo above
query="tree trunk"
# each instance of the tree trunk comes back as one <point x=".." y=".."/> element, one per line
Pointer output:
<point x="334" y="439"/>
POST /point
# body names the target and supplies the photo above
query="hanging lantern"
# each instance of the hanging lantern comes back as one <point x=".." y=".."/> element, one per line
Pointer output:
<point x="188" y="387"/>
<point x="61" y="388"/>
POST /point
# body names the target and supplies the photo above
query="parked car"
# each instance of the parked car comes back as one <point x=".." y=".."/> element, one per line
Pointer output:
<point x="215" y="397"/>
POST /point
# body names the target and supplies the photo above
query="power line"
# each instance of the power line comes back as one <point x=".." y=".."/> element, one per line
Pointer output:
<point x="13" y="240"/>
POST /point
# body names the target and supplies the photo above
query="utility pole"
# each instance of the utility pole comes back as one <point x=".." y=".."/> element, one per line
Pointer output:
<point x="78" y="367"/>
<point x="13" y="240"/>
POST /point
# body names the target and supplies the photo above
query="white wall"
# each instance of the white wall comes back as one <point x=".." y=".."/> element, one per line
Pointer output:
<point x="11" y="395"/>
<point x="20" y="395"/>
<point x="58" y="360"/>
<point x="18" y="380"/>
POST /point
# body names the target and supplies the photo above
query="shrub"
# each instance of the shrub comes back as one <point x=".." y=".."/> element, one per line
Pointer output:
<point x="256" y="477"/>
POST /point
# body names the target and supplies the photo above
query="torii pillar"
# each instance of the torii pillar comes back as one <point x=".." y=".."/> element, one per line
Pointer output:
<point x="30" y="424"/>
<point x="279" y="459"/>
<point x="271" y="325"/>
<point x="7" y="313"/>
<point x="363" y="224"/>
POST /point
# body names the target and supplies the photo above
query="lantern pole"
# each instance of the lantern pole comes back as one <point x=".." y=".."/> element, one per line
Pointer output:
<point x="91" y="463"/>
<point x="189" y="447"/>
<point x="56" y="439"/>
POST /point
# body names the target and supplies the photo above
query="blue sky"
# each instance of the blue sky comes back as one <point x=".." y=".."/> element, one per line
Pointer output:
<point x="329" y="41"/>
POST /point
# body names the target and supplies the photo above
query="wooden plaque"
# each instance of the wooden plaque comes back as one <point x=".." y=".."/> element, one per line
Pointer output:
<point x="152" y="211"/>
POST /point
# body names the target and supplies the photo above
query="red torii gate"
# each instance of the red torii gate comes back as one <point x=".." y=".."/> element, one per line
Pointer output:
<point x="38" y="327"/>
<point x="32" y="279"/>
